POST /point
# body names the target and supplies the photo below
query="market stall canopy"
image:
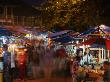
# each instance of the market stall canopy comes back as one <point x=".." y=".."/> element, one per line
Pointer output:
<point x="97" y="43"/>
<point x="64" y="39"/>
<point x="98" y="46"/>
<point x="5" y="32"/>
<point x="56" y="34"/>
<point x="89" y="31"/>
<point x="62" y="36"/>
<point x="101" y="31"/>
<point x="18" y="29"/>
<point x="105" y="28"/>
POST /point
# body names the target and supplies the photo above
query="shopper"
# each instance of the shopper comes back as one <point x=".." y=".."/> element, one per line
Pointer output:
<point x="6" y="64"/>
<point x="22" y="65"/>
<point x="87" y="58"/>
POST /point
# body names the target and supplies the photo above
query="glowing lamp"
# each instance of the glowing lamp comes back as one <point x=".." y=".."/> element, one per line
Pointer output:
<point x="25" y="49"/>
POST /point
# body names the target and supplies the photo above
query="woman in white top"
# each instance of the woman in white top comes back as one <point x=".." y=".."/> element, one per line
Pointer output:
<point x="87" y="58"/>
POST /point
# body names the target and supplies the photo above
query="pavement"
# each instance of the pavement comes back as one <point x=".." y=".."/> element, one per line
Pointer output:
<point x="53" y="79"/>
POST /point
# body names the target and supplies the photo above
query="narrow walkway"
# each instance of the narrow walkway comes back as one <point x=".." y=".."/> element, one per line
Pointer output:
<point x="57" y="79"/>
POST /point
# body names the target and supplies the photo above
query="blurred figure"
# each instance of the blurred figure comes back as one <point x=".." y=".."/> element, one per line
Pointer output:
<point x="79" y="56"/>
<point x="6" y="64"/>
<point x="12" y="66"/>
<point x="35" y="64"/>
<point x="87" y="58"/>
<point x="21" y="63"/>
<point x="40" y="50"/>
<point x="29" y="52"/>
<point x="48" y="63"/>
<point x="74" y="69"/>
<point x="106" y="67"/>
<point x="80" y="74"/>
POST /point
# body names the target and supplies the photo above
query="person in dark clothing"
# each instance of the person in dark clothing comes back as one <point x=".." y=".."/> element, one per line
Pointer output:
<point x="79" y="56"/>
<point x="6" y="64"/>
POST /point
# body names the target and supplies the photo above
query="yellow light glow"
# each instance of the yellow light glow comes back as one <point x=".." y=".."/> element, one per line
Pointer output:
<point x="28" y="35"/>
<point x="13" y="46"/>
<point x="25" y="49"/>
<point x="19" y="53"/>
<point x="17" y="50"/>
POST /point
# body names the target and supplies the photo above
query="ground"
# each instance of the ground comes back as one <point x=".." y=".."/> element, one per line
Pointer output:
<point x="55" y="79"/>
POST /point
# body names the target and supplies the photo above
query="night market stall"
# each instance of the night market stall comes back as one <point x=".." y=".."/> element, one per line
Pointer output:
<point x="98" y="40"/>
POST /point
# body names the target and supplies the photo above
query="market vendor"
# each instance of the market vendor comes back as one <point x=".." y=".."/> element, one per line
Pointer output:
<point x="6" y="64"/>
<point x="87" y="58"/>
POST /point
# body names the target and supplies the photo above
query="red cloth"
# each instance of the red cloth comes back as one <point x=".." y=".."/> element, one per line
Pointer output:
<point x="88" y="42"/>
<point x="22" y="71"/>
<point x="22" y="58"/>
<point x="61" y="52"/>
<point x="107" y="43"/>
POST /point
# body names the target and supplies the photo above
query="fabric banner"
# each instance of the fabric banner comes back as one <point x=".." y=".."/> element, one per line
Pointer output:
<point x="107" y="44"/>
<point x="54" y="35"/>
<point x="88" y="42"/>
<point x="61" y="52"/>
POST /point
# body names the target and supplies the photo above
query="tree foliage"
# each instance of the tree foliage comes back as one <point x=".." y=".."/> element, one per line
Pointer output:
<point x="76" y="14"/>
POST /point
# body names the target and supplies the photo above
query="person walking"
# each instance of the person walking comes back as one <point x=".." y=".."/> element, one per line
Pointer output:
<point x="22" y="65"/>
<point x="6" y="64"/>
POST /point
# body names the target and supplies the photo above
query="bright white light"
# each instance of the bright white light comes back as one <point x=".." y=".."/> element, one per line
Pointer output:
<point x="77" y="42"/>
<point x="102" y="26"/>
<point x="17" y="50"/>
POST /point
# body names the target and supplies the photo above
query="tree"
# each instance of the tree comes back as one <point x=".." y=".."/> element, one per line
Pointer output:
<point x="76" y="14"/>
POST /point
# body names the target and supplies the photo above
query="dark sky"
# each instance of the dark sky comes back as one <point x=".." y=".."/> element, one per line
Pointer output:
<point x="21" y="7"/>
<point x="17" y="2"/>
<point x="34" y="2"/>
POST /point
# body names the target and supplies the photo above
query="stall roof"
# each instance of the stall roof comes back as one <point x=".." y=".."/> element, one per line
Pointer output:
<point x="5" y="32"/>
<point x="56" y="34"/>
<point x="64" y="39"/>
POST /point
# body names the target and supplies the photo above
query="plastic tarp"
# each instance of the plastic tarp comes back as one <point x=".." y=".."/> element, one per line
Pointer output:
<point x="88" y="32"/>
<point x="56" y="34"/>
<point x="64" y="39"/>
<point x="5" y="32"/>
<point x="108" y="44"/>
<point x="106" y="29"/>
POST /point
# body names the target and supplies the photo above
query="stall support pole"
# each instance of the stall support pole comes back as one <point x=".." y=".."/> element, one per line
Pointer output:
<point x="108" y="54"/>
<point x="100" y="59"/>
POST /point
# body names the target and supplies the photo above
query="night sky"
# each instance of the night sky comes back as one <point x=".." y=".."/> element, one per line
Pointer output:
<point x="27" y="4"/>
<point x="34" y="2"/>
<point x="17" y="2"/>
<point x="22" y="7"/>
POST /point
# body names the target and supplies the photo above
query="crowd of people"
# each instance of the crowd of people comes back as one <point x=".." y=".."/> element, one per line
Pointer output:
<point x="43" y="62"/>
<point x="36" y="62"/>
